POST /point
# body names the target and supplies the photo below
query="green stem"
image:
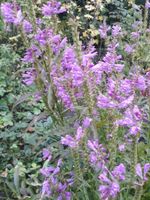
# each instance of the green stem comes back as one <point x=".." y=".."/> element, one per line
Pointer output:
<point x="138" y="193"/>
<point x="135" y="146"/>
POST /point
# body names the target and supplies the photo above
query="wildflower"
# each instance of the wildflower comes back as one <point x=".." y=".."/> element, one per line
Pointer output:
<point x="134" y="130"/>
<point x="69" y="58"/>
<point x="142" y="173"/>
<point x="29" y="76"/>
<point x="135" y="35"/>
<point x="46" y="171"/>
<point x="27" y="26"/>
<point x="73" y="142"/>
<point x="86" y="122"/>
<point x="147" y="5"/>
<point x="97" y="154"/>
<point x="109" y="188"/>
<point x="126" y="87"/>
<point x="103" y="29"/>
<point x="116" y="31"/>
<point x="44" y="36"/>
<point x="46" y="154"/>
<point x="140" y="83"/>
<point x="46" y="190"/>
<point x="119" y="172"/>
<point x="31" y="54"/>
<point x="68" y="141"/>
<point x="129" y="49"/>
<point x="126" y="102"/>
<point x="11" y="13"/>
<point x="51" y="8"/>
<point x="137" y="113"/>
<point x="121" y="147"/>
<point x="80" y="134"/>
<point x="105" y="102"/>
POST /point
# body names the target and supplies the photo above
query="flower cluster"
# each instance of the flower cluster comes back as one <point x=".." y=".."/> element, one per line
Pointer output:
<point x="73" y="142"/>
<point x="52" y="186"/>
<point x="98" y="155"/>
<point x="51" y="8"/>
<point x="110" y="187"/>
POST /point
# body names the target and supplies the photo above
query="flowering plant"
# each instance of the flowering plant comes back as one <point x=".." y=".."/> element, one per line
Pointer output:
<point x="97" y="101"/>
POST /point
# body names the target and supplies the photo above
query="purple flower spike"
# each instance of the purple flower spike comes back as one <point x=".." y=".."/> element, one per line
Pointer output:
<point x="11" y="13"/>
<point x="141" y="173"/>
<point x="109" y="191"/>
<point x="147" y="5"/>
<point x="121" y="147"/>
<point x="116" y="31"/>
<point x="30" y="54"/>
<point x="27" y="26"/>
<point x="129" y="49"/>
<point x="68" y="141"/>
<point x="146" y="170"/>
<point x="87" y="122"/>
<point x="29" y="77"/>
<point x="139" y="170"/>
<point x="103" y="29"/>
<point x="105" y="102"/>
<point x="51" y="8"/>
<point x="46" y="190"/>
<point x="119" y="172"/>
<point x="46" y="154"/>
<point x="79" y="134"/>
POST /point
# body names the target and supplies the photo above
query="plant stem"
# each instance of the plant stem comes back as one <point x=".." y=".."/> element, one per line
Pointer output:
<point x="138" y="193"/>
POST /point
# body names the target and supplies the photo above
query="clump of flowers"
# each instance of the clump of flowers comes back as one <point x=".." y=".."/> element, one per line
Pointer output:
<point x="88" y="99"/>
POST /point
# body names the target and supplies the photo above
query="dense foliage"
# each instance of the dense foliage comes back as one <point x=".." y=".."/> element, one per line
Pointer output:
<point x="75" y="100"/>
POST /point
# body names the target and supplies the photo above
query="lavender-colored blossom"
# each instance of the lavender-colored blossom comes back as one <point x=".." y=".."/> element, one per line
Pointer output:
<point x="46" y="171"/>
<point x="29" y="76"/>
<point x="103" y="29"/>
<point x="142" y="173"/>
<point x="27" y="26"/>
<point x="46" y="190"/>
<point x="135" y="35"/>
<point x="129" y="49"/>
<point x="137" y="113"/>
<point x="52" y="7"/>
<point x="121" y="147"/>
<point x="68" y="195"/>
<point x="97" y="155"/>
<point x="11" y="13"/>
<point x="77" y="75"/>
<point x="46" y="154"/>
<point x="105" y="102"/>
<point x="147" y="5"/>
<point x="69" y="141"/>
<point x="31" y="53"/>
<point x="119" y="172"/>
<point x="126" y="102"/>
<point x="126" y="87"/>
<point x="73" y="142"/>
<point x="87" y="122"/>
<point x="44" y="36"/>
<point x="134" y="130"/>
<point x="140" y="83"/>
<point x="146" y="170"/>
<point x="80" y="134"/>
<point x="69" y="58"/>
<point x="116" y="30"/>
<point x="109" y="191"/>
